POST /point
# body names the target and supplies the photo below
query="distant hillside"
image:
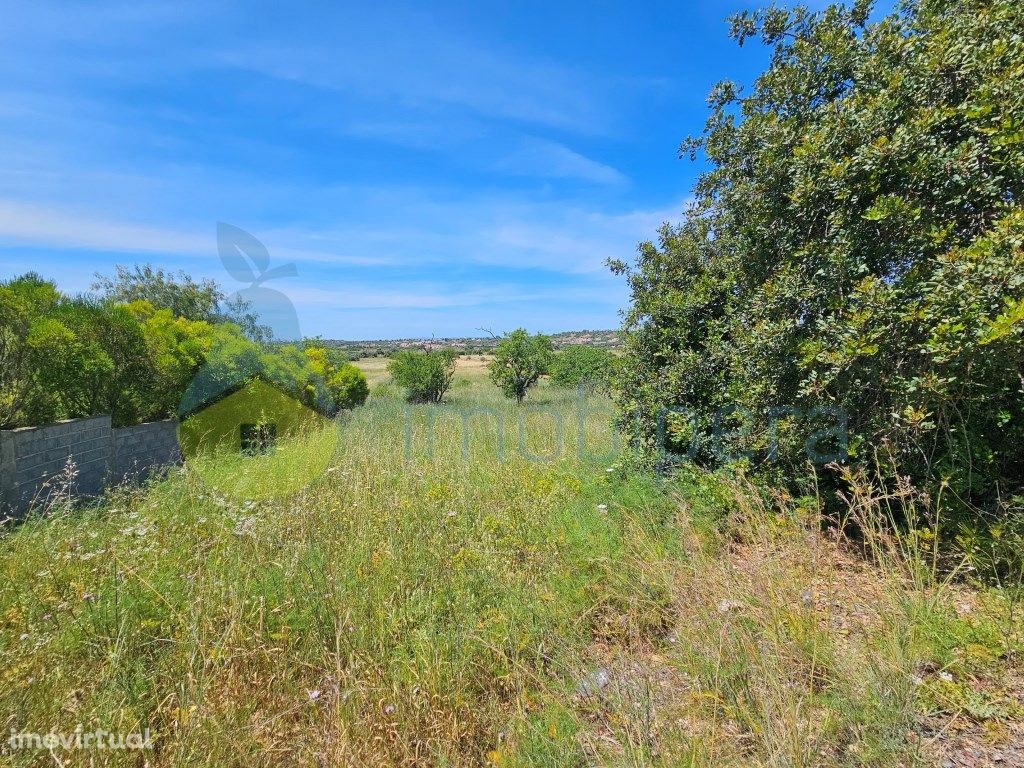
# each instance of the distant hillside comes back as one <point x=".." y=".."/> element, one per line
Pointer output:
<point x="467" y="345"/>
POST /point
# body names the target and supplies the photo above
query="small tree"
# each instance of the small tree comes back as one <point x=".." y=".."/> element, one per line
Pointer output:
<point x="582" y="365"/>
<point x="346" y="384"/>
<point x="425" y="375"/>
<point x="348" y="387"/>
<point x="519" y="361"/>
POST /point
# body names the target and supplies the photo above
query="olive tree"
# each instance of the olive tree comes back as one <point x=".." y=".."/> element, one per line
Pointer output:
<point x="519" y="361"/>
<point x="426" y="375"/>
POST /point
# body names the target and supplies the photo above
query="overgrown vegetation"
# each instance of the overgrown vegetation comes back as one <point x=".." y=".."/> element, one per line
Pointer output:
<point x="856" y="243"/>
<point x="417" y="605"/>
<point x="68" y="357"/>
<point x="470" y="582"/>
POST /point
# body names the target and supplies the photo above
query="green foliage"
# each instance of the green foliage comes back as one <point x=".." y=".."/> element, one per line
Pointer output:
<point x="519" y="361"/>
<point x="23" y="302"/>
<point x="857" y="242"/>
<point x="346" y="384"/>
<point x="67" y="358"/>
<point x="97" y="364"/>
<point x="582" y="365"/>
<point x="425" y="375"/>
<point x="181" y="294"/>
<point x="176" y="347"/>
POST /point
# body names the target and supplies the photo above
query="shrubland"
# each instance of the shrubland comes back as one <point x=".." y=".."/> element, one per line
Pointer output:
<point x="578" y="365"/>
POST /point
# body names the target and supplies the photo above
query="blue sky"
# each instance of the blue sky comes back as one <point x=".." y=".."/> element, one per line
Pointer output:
<point x="430" y="168"/>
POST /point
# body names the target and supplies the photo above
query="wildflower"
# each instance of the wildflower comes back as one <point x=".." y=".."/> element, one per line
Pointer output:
<point x="729" y="605"/>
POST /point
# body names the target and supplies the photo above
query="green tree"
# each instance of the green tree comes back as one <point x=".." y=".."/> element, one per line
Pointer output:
<point x="856" y="242"/>
<point x="86" y="359"/>
<point x="346" y="384"/>
<point x="176" y="347"/>
<point x="24" y="302"/>
<point x="185" y="297"/>
<point x="582" y="365"/>
<point x="519" y="361"/>
<point x="178" y="292"/>
<point x="425" y="375"/>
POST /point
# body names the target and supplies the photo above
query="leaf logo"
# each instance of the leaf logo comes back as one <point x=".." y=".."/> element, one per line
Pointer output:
<point x="247" y="260"/>
<point x="240" y="253"/>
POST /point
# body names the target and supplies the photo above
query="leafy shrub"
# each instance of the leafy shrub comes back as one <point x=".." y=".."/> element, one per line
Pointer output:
<point x="348" y="387"/>
<point x="857" y="242"/>
<point x="519" y="361"/>
<point x="425" y="375"/>
<point x="67" y="358"/>
<point x="582" y="365"/>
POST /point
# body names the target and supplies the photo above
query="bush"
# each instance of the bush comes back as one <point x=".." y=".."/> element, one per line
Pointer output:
<point x="67" y="358"/>
<point x="857" y="242"/>
<point x="582" y="365"/>
<point x="519" y="361"/>
<point x="425" y="375"/>
<point x="348" y="387"/>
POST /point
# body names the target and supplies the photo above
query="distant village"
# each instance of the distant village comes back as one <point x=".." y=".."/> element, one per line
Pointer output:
<point x="467" y="345"/>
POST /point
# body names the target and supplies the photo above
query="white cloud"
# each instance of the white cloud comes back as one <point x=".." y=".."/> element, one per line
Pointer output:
<point x="25" y="224"/>
<point x="549" y="159"/>
<point x="29" y="224"/>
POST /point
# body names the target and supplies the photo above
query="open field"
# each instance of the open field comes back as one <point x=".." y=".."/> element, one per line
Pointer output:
<point x="505" y="595"/>
<point x="471" y="367"/>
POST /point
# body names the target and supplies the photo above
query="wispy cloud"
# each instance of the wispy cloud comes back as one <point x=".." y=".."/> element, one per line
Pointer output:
<point x="372" y="59"/>
<point x="22" y="224"/>
<point x="425" y="167"/>
<point x="549" y="159"/>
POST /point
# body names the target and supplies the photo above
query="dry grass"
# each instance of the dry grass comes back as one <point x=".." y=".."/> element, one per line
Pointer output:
<point x="791" y="649"/>
<point x="472" y="367"/>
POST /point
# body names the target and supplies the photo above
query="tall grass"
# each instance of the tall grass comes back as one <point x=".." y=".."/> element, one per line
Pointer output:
<point x="414" y="604"/>
<point x="479" y="584"/>
<point x="790" y="648"/>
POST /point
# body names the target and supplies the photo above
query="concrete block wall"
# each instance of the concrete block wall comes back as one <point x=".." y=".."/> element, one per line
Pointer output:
<point x="34" y="460"/>
<point x="139" y="450"/>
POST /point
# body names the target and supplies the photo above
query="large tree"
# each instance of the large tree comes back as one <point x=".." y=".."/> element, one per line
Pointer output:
<point x="856" y="242"/>
<point x="184" y="296"/>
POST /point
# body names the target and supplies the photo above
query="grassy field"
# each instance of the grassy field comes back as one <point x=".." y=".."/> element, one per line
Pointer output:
<point x="470" y="369"/>
<point x="478" y="584"/>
